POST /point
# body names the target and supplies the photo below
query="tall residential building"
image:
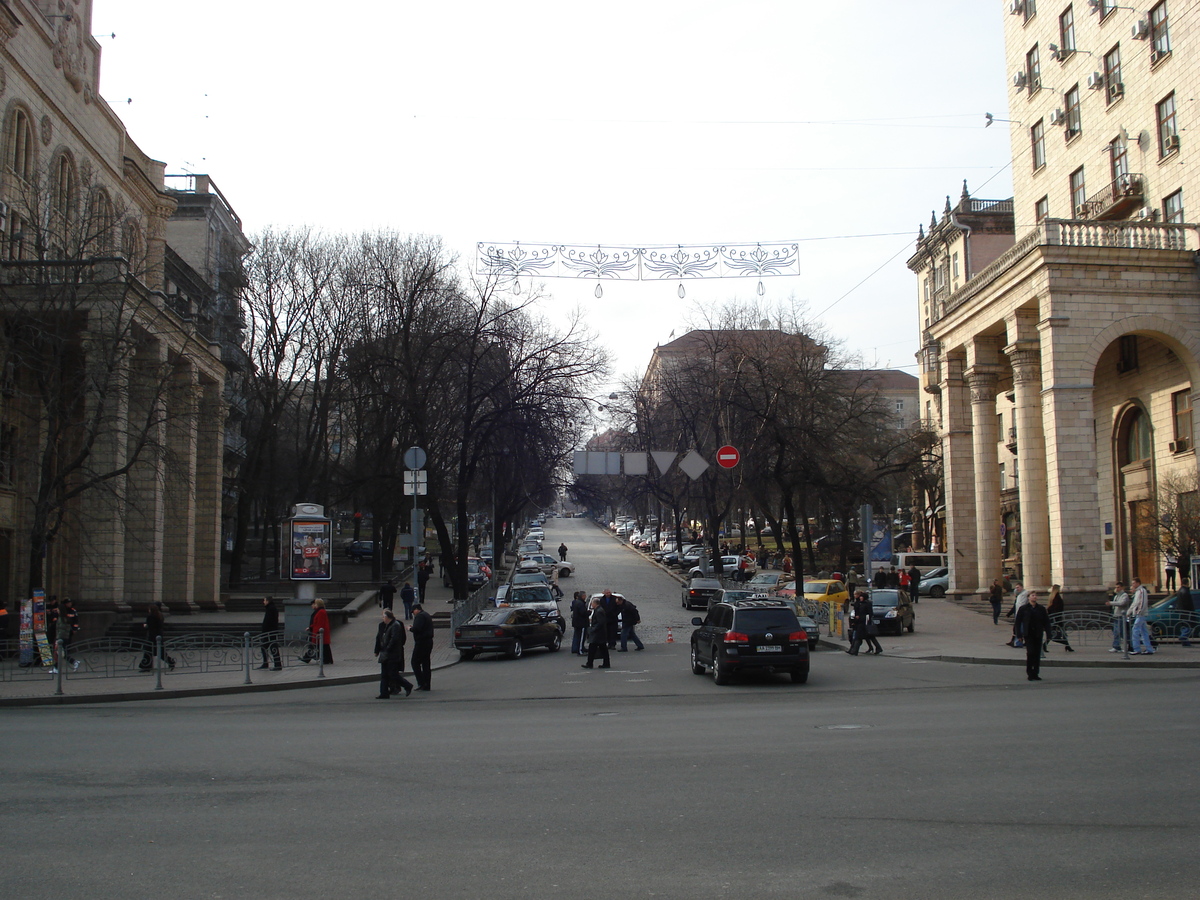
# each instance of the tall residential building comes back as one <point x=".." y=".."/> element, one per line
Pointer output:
<point x="1061" y="374"/>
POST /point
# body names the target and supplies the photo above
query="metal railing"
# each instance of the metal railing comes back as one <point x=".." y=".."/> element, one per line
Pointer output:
<point x="464" y="609"/>
<point x="200" y="653"/>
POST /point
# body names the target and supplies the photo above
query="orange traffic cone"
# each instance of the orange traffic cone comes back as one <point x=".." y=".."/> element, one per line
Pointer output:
<point x="670" y="637"/>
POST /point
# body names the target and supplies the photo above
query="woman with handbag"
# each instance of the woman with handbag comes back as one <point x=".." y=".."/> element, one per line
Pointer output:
<point x="1054" y="608"/>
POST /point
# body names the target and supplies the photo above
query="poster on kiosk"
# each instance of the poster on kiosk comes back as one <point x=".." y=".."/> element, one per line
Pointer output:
<point x="311" y="543"/>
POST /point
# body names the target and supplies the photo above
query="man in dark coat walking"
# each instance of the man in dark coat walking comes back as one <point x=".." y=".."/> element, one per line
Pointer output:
<point x="422" y="632"/>
<point x="579" y="621"/>
<point x="1034" y="622"/>
<point x="609" y="602"/>
<point x="1185" y="607"/>
<point x="269" y="634"/>
<point x="389" y="649"/>
<point x="387" y="594"/>
<point x="914" y="585"/>
<point x="629" y="618"/>
<point x="597" y="635"/>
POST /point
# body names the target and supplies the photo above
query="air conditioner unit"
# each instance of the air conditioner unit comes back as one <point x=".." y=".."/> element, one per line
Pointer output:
<point x="1017" y="8"/>
<point x="1141" y="30"/>
<point x="1179" y="446"/>
<point x="1156" y="55"/>
<point x="1147" y="213"/>
<point x="1020" y="80"/>
<point x="1058" y="117"/>
<point x="1170" y="143"/>
<point x="1116" y="89"/>
<point x="1171" y="446"/>
<point x="1095" y="81"/>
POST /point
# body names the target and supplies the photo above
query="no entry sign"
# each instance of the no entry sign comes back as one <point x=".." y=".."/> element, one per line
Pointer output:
<point x="727" y="457"/>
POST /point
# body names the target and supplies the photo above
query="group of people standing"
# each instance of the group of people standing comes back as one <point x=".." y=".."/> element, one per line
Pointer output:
<point x="389" y="651"/>
<point x="598" y="625"/>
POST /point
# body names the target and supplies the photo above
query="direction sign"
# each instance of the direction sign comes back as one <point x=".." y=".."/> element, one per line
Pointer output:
<point x="727" y="457"/>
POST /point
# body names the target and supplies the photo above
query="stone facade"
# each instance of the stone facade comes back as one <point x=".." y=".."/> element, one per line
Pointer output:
<point x="140" y="518"/>
<point x="1070" y="361"/>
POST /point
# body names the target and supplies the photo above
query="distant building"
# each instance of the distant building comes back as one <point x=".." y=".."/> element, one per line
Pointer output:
<point x="1061" y="369"/>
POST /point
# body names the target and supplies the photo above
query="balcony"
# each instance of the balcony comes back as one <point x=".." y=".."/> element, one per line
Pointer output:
<point x="1116" y="201"/>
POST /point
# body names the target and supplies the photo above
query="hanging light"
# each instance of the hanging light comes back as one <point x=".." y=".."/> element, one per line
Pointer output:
<point x="599" y="291"/>
<point x="761" y="290"/>
<point x="681" y="292"/>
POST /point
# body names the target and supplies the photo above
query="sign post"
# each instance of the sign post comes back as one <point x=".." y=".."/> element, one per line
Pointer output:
<point x="415" y="482"/>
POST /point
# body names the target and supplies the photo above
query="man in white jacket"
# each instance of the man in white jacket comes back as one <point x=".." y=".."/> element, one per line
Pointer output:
<point x="1138" y="606"/>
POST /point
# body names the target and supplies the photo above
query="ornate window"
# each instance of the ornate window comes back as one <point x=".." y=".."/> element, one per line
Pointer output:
<point x="21" y="147"/>
<point x="1137" y="443"/>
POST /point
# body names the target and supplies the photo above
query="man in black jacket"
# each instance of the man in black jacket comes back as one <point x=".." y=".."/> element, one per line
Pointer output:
<point x="389" y="649"/>
<point x="579" y="621"/>
<point x="1034" y="622"/>
<point x="1185" y="607"/>
<point x="422" y="632"/>
<point x="629" y="618"/>
<point x="597" y="636"/>
<point x="269" y="634"/>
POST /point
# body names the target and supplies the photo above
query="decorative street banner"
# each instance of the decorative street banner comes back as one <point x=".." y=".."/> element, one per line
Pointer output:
<point x="672" y="262"/>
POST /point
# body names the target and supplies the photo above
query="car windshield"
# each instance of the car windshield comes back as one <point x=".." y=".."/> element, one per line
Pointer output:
<point x="764" y="577"/>
<point x="490" y="617"/>
<point x="755" y="620"/>
<point x="884" y="598"/>
<point x="529" y="594"/>
<point x="814" y="587"/>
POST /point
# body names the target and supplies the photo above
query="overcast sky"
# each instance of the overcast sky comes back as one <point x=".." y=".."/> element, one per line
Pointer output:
<point x="839" y="125"/>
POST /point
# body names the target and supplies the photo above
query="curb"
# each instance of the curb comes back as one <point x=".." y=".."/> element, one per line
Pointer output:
<point x="1051" y="663"/>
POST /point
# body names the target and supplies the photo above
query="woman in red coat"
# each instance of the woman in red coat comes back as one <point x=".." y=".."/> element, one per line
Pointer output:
<point x="318" y="622"/>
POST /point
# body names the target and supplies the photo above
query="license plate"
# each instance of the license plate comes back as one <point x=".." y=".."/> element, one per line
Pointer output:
<point x="769" y="648"/>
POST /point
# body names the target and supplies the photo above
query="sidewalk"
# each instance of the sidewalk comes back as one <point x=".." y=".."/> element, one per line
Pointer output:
<point x="947" y="632"/>
<point x="352" y="644"/>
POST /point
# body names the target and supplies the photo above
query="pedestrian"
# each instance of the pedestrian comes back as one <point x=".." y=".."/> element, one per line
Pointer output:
<point x="423" y="572"/>
<point x="996" y="596"/>
<point x="1035" y="625"/>
<point x="1186" y="610"/>
<point x="1021" y="598"/>
<point x="1172" y="565"/>
<point x="865" y="611"/>
<point x="68" y="624"/>
<point x="558" y="591"/>
<point x="268" y="634"/>
<point x="1054" y="610"/>
<point x="562" y="552"/>
<point x="422" y="632"/>
<point x="154" y="631"/>
<point x="1120" y="605"/>
<point x="389" y="650"/>
<point x="387" y="594"/>
<point x="629" y="618"/>
<point x="597" y="635"/>
<point x="318" y="634"/>
<point x="893" y="579"/>
<point x="786" y="565"/>
<point x="880" y="579"/>
<point x="408" y="597"/>
<point x="914" y="584"/>
<point x="610" y="617"/>
<point x="853" y="622"/>
<point x="1139" y="604"/>
<point x="579" y="622"/>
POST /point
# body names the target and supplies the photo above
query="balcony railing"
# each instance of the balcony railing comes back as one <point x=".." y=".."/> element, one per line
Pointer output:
<point x="1127" y="192"/>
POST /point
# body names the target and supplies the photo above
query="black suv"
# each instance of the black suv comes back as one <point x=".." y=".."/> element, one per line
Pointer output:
<point x="741" y="635"/>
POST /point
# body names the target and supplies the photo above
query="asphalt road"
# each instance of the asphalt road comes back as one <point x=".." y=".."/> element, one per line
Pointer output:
<point x="879" y="778"/>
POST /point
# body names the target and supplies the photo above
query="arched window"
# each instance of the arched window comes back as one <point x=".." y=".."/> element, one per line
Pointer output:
<point x="1136" y="445"/>
<point x="132" y="244"/>
<point x="102" y="223"/>
<point x="21" y="150"/>
<point x="66" y="187"/>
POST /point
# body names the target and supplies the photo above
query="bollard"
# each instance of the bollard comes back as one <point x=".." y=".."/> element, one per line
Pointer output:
<point x="321" y="653"/>
<point x="246" y="655"/>
<point x="158" y="663"/>
<point x="58" y="669"/>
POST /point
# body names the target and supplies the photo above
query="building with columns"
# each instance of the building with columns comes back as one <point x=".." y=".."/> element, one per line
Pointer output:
<point x="1059" y="369"/>
<point x="112" y="416"/>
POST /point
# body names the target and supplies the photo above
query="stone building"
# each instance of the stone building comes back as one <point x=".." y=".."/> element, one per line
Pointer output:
<point x="1060" y="369"/>
<point x="111" y="412"/>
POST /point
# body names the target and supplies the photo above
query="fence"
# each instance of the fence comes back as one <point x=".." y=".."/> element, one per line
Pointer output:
<point x="192" y="654"/>
<point x="464" y="609"/>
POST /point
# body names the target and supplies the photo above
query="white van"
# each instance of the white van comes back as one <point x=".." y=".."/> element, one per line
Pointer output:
<point x="926" y="562"/>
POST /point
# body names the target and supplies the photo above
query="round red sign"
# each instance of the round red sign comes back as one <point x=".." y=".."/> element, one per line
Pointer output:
<point x="727" y="457"/>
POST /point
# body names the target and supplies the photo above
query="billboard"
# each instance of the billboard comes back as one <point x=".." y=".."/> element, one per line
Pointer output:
<point x="311" y="546"/>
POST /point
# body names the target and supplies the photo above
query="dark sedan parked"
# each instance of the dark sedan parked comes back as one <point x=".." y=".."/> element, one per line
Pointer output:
<point x="892" y="612"/>
<point x="506" y="630"/>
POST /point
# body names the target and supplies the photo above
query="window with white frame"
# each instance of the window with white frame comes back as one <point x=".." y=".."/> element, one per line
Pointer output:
<point x="1168" y="133"/>
<point x="1173" y="208"/>
<point x="1160" y="35"/>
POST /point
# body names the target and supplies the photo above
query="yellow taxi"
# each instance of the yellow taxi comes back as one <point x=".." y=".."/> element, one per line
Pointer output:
<point x="825" y="590"/>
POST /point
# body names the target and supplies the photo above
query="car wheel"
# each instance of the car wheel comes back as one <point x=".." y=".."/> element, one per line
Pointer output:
<point x="564" y="573"/>
<point x="555" y="643"/>
<point x="516" y="651"/>
<point x="720" y="676"/>
<point x="466" y="655"/>
<point x="937" y="591"/>
<point x="799" y="676"/>
<point x="697" y="666"/>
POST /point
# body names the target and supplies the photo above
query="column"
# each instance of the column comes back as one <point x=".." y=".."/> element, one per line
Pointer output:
<point x="210" y="470"/>
<point x="1024" y="354"/>
<point x="180" y="487"/>
<point x="958" y="466"/>
<point x="144" y="515"/>
<point x="982" y="380"/>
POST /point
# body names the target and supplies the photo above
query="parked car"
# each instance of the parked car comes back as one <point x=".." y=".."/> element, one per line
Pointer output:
<point x="690" y="556"/>
<point x="825" y="590"/>
<point x="360" y="550"/>
<point x="892" y="612"/>
<point x="548" y="564"/>
<point x="505" y="630"/>
<point x="936" y="583"/>
<point x="1166" y="621"/>
<point x="749" y="635"/>
<point x="478" y="573"/>
<point x="925" y="562"/>
<point x="729" y="566"/>
<point x="527" y="548"/>
<point x="812" y="629"/>
<point x="534" y="576"/>
<point x="536" y="597"/>
<point x="702" y="592"/>
<point x="765" y="581"/>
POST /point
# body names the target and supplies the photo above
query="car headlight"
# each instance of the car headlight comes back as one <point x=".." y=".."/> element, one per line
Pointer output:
<point x="891" y="614"/>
